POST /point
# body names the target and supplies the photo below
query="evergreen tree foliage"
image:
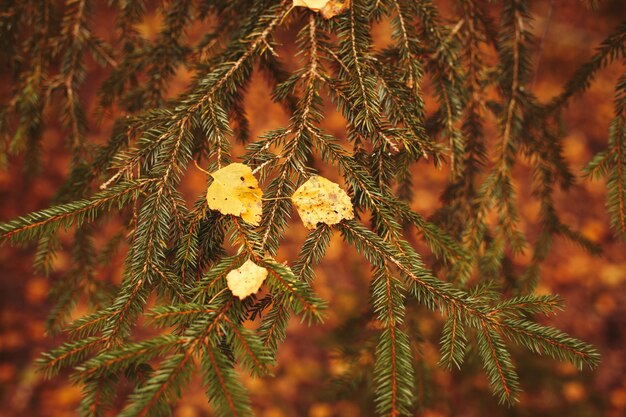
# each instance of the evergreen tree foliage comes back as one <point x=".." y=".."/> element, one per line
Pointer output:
<point x="177" y="252"/>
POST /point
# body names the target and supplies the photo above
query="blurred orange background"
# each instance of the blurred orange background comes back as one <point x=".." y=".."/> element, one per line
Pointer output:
<point x="594" y="288"/>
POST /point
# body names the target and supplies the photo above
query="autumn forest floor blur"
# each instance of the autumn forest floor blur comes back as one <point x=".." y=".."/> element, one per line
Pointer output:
<point x="594" y="288"/>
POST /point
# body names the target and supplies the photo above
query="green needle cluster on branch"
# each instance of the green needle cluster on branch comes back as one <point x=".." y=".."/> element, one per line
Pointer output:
<point x="177" y="251"/>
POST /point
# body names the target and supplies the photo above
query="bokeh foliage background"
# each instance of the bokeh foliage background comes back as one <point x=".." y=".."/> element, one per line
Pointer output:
<point x="594" y="288"/>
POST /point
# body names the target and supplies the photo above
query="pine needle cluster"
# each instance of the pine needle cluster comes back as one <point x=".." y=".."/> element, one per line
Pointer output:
<point x="177" y="252"/>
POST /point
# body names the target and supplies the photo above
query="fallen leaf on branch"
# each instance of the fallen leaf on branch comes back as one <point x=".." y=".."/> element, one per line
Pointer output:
<point x="236" y="191"/>
<point x="246" y="280"/>
<point x="327" y="8"/>
<point x="322" y="201"/>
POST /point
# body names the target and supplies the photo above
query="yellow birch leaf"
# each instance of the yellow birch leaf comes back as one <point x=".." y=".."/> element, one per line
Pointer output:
<point x="315" y="5"/>
<point x="322" y="201"/>
<point x="327" y="8"/>
<point x="334" y="8"/>
<point x="246" y="280"/>
<point x="236" y="191"/>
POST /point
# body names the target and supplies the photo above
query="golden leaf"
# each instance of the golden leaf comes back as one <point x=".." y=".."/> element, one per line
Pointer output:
<point x="322" y="201"/>
<point x="315" y="5"/>
<point x="236" y="191"/>
<point x="246" y="280"/>
<point x="327" y="8"/>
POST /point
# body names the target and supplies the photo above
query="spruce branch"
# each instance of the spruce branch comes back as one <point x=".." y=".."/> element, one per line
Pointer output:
<point x="180" y="255"/>
<point x="612" y="162"/>
<point x="476" y="312"/>
<point x="611" y="49"/>
<point x="43" y="222"/>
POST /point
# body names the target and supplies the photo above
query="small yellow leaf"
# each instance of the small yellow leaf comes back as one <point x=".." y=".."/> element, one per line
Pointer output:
<point x="315" y="5"/>
<point x="236" y="191"/>
<point x="322" y="201"/>
<point x="246" y="280"/>
<point x="327" y="8"/>
<point x="334" y="8"/>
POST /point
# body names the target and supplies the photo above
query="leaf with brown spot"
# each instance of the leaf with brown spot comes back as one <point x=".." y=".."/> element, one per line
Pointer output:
<point x="322" y="201"/>
<point x="236" y="191"/>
